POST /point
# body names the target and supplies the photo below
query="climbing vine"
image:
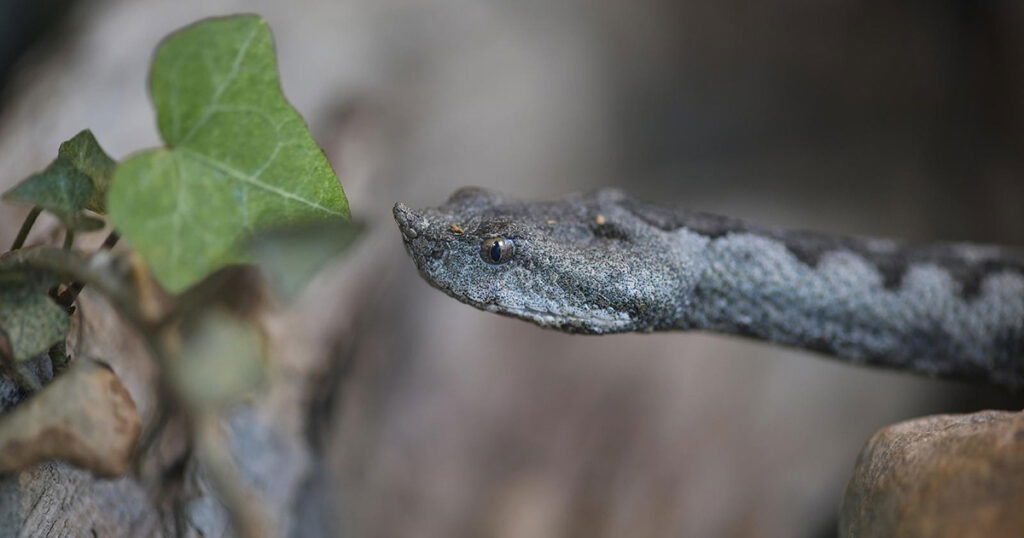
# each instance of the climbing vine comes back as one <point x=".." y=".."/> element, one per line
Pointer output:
<point x="238" y="189"/>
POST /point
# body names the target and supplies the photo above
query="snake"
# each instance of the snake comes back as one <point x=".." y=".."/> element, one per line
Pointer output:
<point x="604" y="262"/>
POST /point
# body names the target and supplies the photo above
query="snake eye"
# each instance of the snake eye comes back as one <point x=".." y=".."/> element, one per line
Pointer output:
<point x="497" y="250"/>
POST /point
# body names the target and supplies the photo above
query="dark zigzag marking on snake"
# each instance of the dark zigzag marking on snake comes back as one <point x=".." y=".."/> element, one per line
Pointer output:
<point x="809" y="247"/>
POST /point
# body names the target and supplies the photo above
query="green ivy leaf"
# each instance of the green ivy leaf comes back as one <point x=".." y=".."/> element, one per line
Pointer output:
<point x="76" y="180"/>
<point x="29" y="319"/>
<point x="60" y="189"/>
<point x="86" y="155"/>
<point x="239" y="159"/>
<point x="291" y="257"/>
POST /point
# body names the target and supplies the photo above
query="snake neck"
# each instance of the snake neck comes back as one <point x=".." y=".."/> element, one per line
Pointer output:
<point x="948" y="310"/>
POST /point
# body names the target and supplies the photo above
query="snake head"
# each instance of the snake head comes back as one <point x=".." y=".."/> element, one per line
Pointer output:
<point x="580" y="264"/>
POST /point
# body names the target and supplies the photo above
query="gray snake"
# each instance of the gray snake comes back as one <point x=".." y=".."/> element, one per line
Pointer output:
<point x="604" y="262"/>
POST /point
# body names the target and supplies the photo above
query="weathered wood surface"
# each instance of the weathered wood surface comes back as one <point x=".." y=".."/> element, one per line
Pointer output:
<point x="54" y="499"/>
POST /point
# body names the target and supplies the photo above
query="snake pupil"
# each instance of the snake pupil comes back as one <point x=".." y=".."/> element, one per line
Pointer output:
<point x="497" y="250"/>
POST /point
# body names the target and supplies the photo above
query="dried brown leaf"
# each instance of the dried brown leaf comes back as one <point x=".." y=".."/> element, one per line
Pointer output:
<point x="85" y="417"/>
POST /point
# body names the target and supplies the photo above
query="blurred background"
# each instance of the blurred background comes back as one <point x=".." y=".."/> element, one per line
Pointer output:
<point x="850" y="116"/>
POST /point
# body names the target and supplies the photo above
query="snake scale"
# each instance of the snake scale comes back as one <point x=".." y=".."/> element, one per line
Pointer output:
<point x="604" y="262"/>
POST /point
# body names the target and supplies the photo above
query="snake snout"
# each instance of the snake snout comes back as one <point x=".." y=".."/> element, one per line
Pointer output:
<point x="409" y="222"/>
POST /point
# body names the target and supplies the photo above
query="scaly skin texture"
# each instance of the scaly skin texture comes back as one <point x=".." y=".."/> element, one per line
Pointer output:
<point x="603" y="262"/>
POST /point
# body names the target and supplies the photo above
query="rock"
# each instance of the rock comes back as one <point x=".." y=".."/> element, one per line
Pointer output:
<point x="944" y="475"/>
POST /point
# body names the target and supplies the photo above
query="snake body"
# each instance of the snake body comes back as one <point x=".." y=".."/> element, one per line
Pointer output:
<point x="604" y="262"/>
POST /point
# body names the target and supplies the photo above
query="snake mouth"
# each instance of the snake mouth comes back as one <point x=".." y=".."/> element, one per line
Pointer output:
<point x="567" y="322"/>
<point x="579" y="324"/>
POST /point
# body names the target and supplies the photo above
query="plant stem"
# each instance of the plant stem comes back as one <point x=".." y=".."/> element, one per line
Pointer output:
<point x="68" y="296"/>
<point x="69" y="238"/>
<point x="111" y="240"/>
<point x="26" y="226"/>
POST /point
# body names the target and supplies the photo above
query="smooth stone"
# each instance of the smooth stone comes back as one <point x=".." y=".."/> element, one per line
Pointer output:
<point x="940" y="476"/>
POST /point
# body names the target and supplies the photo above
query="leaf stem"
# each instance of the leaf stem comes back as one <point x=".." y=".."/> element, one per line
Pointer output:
<point x="26" y="226"/>
<point x="111" y="240"/>
<point x="68" y="296"/>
